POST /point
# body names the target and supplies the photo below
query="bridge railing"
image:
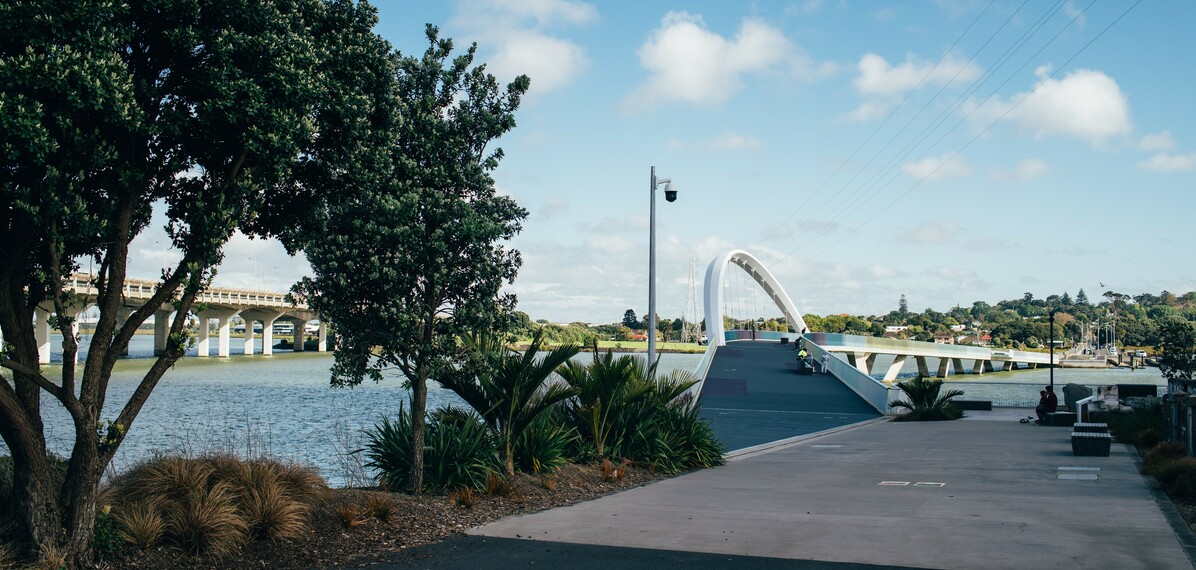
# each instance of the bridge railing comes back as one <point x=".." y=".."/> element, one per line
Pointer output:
<point x="700" y="372"/>
<point x="873" y="391"/>
<point x="143" y="289"/>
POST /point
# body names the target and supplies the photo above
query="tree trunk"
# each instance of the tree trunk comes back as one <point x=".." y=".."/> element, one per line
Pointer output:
<point x="419" y="405"/>
<point x="34" y="501"/>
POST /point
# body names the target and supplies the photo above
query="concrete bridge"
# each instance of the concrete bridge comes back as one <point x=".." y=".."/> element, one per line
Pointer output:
<point x="220" y="304"/>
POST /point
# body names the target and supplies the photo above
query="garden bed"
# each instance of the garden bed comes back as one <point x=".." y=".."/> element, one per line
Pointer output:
<point x="414" y="521"/>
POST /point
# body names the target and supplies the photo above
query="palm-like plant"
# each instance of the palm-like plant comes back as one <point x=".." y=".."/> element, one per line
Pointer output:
<point x="509" y="389"/>
<point x="604" y="388"/>
<point x="927" y="401"/>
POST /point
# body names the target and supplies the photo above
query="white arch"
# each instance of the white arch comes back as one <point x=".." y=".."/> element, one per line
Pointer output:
<point x="714" y="293"/>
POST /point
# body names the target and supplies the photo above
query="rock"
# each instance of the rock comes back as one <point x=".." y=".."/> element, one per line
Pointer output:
<point x="1073" y="393"/>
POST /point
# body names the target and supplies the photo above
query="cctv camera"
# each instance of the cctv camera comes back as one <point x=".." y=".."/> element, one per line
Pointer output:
<point x="670" y="193"/>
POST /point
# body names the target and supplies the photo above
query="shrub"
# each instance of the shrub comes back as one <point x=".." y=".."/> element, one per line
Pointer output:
<point x="351" y="516"/>
<point x="546" y="444"/>
<point x="498" y="486"/>
<point x="380" y="507"/>
<point x="1162" y="453"/>
<point x="1141" y="428"/>
<point x="464" y="498"/>
<point x="206" y="521"/>
<point x="458" y="450"/>
<point x="927" y="401"/>
<point x="107" y="536"/>
<point x="215" y="503"/>
<point x="1177" y="476"/>
<point x="140" y="524"/>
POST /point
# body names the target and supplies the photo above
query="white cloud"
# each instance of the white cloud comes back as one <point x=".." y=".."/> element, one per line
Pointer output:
<point x="691" y="64"/>
<point x="939" y="167"/>
<point x="1085" y="104"/>
<point x="868" y="111"/>
<point x="934" y="233"/>
<point x="1166" y="162"/>
<point x="1156" y="141"/>
<point x="730" y="141"/>
<point x="879" y="77"/>
<point x="1028" y="169"/>
<point x="518" y="33"/>
<point x="804" y="7"/>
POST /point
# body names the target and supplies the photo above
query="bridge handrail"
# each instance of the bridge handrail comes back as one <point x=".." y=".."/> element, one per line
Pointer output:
<point x="700" y="372"/>
<point x="876" y="393"/>
<point x="919" y="348"/>
<point x="144" y="288"/>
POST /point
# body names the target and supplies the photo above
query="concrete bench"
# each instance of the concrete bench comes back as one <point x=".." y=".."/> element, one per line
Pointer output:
<point x="1090" y="444"/>
<point x="1090" y="427"/>
<point x="1060" y="419"/>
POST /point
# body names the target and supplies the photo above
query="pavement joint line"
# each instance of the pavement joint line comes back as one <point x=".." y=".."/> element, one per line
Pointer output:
<point x="1078" y="477"/>
<point x="778" y="445"/>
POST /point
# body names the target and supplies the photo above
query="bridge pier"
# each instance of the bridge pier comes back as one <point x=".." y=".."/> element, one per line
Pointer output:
<point x="267" y="318"/>
<point x="222" y="317"/>
<point x="862" y="361"/>
<point x="944" y="367"/>
<point x="41" y="332"/>
<point x="162" y="321"/>
<point x="895" y="367"/>
<point x="322" y="343"/>
<point x="978" y="366"/>
<point x="923" y="369"/>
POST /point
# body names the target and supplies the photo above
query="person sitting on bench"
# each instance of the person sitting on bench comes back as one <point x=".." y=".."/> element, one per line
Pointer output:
<point x="1047" y="404"/>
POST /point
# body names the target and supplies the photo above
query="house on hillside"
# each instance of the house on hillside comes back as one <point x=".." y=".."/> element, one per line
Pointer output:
<point x="944" y="338"/>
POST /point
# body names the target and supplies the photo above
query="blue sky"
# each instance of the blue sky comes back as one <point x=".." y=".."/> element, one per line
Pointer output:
<point x="950" y="151"/>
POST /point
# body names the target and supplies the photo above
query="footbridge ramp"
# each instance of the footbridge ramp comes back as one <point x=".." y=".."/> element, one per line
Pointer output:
<point x="752" y="395"/>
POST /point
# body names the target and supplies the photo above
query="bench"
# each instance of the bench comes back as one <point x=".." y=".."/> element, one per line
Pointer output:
<point x="976" y="405"/>
<point x="1090" y="444"/>
<point x="1060" y="419"/>
<point x="1090" y="427"/>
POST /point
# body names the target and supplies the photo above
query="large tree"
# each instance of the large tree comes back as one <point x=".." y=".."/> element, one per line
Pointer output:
<point x="1177" y="340"/>
<point x="406" y="262"/>
<point x="106" y="109"/>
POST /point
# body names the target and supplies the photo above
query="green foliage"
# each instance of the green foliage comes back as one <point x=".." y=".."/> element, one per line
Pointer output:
<point x="927" y="401"/>
<point x="407" y="249"/>
<point x="508" y="390"/>
<point x="459" y="452"/>
<point x="207" y="108"/>
<point x="1141" y="427"/>
<point x="604" y="389"/>
<point x="1178" y="343"/>
<point x="623" y="411"/>
<point x="107" y="538"/>
<point x="1175" y="471"/>
<point x="546" y="444"/>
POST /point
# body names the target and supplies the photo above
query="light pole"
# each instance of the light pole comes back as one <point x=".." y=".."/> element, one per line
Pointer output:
<point x="670" y="194"/>
<point x="1052" y="325"/>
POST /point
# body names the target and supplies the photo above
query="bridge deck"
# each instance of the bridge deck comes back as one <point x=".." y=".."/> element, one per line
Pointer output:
<point x="753" y="395"/>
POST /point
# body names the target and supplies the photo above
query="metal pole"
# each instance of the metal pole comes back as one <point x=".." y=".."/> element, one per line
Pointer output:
<point x="1052" y="313"/>
<point x="652" y="271"/>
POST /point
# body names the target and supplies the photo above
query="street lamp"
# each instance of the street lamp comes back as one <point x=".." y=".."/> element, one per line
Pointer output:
<point x="670" y="194"/>
<point x="1052" y="325"/>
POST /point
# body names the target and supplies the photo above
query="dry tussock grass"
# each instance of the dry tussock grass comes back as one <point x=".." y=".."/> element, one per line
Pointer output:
<point x="214" y="504"/>
<point x="463" y="497"/>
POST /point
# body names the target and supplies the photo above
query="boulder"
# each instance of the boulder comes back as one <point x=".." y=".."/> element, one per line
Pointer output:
<point x="1073" y="393"/>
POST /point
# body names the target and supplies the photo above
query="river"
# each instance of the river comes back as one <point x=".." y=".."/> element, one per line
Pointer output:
<point x="282" y="405"/>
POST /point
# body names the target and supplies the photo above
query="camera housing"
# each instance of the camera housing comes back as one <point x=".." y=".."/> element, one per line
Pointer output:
<point x="670" y="193"/>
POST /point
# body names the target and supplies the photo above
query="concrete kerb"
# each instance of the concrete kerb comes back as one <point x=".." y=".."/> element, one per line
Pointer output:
<point x="1183" y="533"/>
<point x="778" y="445"/>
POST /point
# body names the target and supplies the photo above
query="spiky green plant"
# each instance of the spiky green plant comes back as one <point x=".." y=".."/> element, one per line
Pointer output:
<point x="927" y="401"/>
<point x="508" y="389"/>
<point x="605" y="388"/>
<point x="459" y="450"/>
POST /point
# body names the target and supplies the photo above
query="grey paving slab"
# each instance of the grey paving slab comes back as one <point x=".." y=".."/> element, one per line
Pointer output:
<point x="753" y="395"/>
<point x="1001" y="504"/>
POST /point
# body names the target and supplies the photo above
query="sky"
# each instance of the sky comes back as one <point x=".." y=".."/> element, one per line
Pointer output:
<point x="949" y="151"/>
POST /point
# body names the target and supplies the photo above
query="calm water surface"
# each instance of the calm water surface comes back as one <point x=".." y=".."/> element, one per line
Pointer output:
<point x="280" y="405"/>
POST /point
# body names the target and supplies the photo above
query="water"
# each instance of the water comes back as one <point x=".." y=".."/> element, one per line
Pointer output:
<point x="1020" y="388"/>
<point x="280" y="405"/>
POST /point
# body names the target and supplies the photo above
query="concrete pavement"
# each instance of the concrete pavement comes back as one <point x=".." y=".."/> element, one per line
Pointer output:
<point x="963" y="494"/>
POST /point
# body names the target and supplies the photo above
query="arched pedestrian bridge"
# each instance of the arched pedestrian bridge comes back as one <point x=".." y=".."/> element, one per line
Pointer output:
<point x="750" y="389"/>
